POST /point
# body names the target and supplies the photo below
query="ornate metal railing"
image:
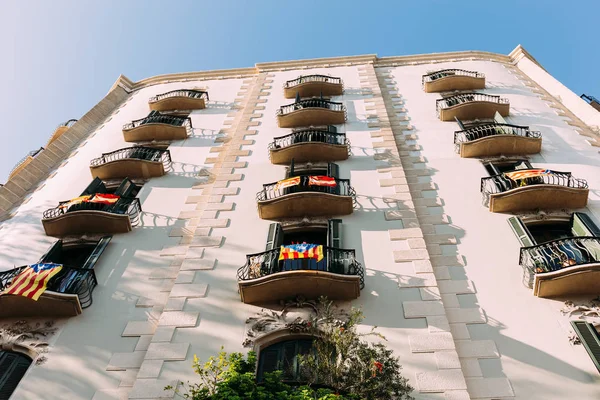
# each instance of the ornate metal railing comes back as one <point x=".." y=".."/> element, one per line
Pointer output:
<point x="312" y="78"/>
<point x="271" y="191"/>
<point x="590" y="99"/>
<point x="500" y="183"/>
<point x="337" y="261"/>
<point x="137" y="152"/>
<point x="157" y="118"/>
<point x="32" y="154"/>
<point x="480" y="131"/>
<point x="197" y="94"/>
<point x="558" y="254"/>
<point x="460" y="98"/>
<point x="435" y="75"/>
<point x="69" y="280"/>
<point x="125" y="205"/>
<point x="311" y="103"/>
<point x="308" y="136"/>
<point x="68" y="123"/>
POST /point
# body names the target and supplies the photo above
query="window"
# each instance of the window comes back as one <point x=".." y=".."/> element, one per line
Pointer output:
<point x="12" y="368"/>
<point x="537" y="232"/>
<point x="499" y="167"/>
<point x="590" y="339"/>
<point x="79" y="254"/>
<point x="498" y="119"/>
<point x="126" y="188"/>
<point x="329" y="169"/>
<point x="283" y="356"/>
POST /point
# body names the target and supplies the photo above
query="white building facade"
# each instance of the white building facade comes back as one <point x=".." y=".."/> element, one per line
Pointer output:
<point x="181" y="260"/>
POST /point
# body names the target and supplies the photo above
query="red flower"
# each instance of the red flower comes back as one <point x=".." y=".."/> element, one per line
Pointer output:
<point x="308" y="324"/>
<point x="379" y="366"/>
<point x="341" y="329"/>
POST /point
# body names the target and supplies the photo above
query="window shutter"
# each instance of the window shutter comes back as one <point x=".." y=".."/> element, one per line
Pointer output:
<point x="521" y="232"/>
<point x="12" y="368"/>
<point x="589" y="338"/>
<point x="269" y="360"/>
<point x="98" y="250"/>
<point x="274" y="237"/>
<point x="333" y="170"/>
<point x="290" y="359"/>
<point x="53" y="252"/>
<point x="334" y="233"/>
<point x="126" y="188"/>
<point x="97" y="186"/>
<point x="582" y="225"/>
<point x="331" y="128"/>
<point x="499" y="119"/>
<point x="460" y="124"/>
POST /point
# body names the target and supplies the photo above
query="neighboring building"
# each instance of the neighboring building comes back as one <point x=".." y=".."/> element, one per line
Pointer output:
<point x="167" y="249"/>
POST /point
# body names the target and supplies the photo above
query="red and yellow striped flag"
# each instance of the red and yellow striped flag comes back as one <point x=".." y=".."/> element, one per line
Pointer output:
<point x="104" y="198"/>
<point x="321" y="180"/>
<point x="295" y="181"/>
<point x="32" y="281"/>
<point x="526" y="173"/>
<point x="304" y="250"/>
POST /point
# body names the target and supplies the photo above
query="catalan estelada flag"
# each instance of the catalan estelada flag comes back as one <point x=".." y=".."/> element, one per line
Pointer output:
<point x="295" y="181"/>
<point x="321" y="181"/>
<point x="104" y="198"/>
<point x="304" y="250"/>
<point x="77" y="200"/>
<point x="32" y="280"/>
<point x="526" y="173"/>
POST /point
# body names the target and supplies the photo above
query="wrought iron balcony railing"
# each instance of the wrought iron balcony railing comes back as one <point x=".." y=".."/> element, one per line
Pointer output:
<point x="336" y="261"/>
<point x="590" y="99"/>
<point x="309" y="136"/>
<point x="157" y="118"/>
<point x="68" y="123"/>
<point x="311" y="103"/>
<point x="31" y="154"/>
<point x="196" y="94"/>
<point x="271" y="191"/>
<point x="312" y="78"/>
<point x="125" y="205"/>
<point x="432" y="76"/>
<point x="461" y="98"/>
<point x="500" y="183"/>
<point x="137" y="152"/>
<point x="68" y="281"/>
<point x="558" y="254"/>
<point x="481" y="131"/>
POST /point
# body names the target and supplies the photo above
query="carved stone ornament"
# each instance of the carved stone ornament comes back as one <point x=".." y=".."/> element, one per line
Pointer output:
<point x="297" y="316"/>
<point x="29" y="337"/>
<point x="586" y="311"/>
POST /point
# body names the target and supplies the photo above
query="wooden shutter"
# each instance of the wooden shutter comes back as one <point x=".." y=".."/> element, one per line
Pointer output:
<point x="53" y="252"/>
<point x="97" y="186"/>
<point x="334" y="233"/>
<point x="126" y="188"/>
<point x="269" y="360"/>
<point x="333" y="170"/>
<point x="274" y="237"/>
<point x="98" y="250"/>
<point x="521" y="232"/>
<point x="12" y="368"/>
<point x="590" y="339"/>
<point x="582" y="225"/>
<point x="460" y="124"/>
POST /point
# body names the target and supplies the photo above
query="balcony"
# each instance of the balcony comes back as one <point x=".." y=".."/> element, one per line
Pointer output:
<point x="568" y="266"/>
<point x="592" y="101"/>
<point x="84" y="215"/>
<point x="471" y="106"/>
<point x="311" y="112"/>
<point x="24" y="161"/>
<point x="305" y="199"/>
<point x="536" y="189"/>
<point x="67" y="293"/>
<point x="313" y="85"/>
<point x="60" y="129"/>
<point x="157" y="126"/>
<point x="265" y="278"/>
<point x="183" y="99"/>
<point x="452" y="79"/>
<point x="309" y="145"/>
<point x="132" y="162"/>
<point x="497" y="139"/>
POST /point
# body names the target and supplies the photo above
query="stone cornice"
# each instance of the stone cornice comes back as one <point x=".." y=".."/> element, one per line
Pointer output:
<point x="514" y="56"/>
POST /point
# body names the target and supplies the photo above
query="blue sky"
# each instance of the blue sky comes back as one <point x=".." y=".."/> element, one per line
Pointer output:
<point x="60" y="57"/>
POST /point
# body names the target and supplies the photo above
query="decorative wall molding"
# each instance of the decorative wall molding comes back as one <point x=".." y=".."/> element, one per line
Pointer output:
<point x="30" y="338"/>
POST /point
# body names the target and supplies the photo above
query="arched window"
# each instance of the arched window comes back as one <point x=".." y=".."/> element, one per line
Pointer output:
<point x="12" y="368"/>
<point x="283" y="356"/>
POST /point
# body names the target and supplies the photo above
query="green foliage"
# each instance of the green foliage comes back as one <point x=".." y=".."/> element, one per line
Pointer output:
<point x="354" y="368"/>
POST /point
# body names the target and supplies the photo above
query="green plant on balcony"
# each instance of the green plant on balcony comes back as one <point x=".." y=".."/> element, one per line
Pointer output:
<point x="342" y="366"/>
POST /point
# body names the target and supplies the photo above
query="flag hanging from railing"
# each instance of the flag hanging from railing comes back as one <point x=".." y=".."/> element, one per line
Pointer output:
<point x="303" y="250"/>
<point x="526" y="173"/>
<point x="33" y="280"/>
<point x="285" y="183"/>
<point x="322" y="181"/>
<point x="77" y="200"/>
<point x="104" y="198"/>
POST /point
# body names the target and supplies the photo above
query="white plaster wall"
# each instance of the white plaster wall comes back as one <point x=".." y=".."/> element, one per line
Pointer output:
<point x="530" y="333"/>
<point x="81" y="351"/>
